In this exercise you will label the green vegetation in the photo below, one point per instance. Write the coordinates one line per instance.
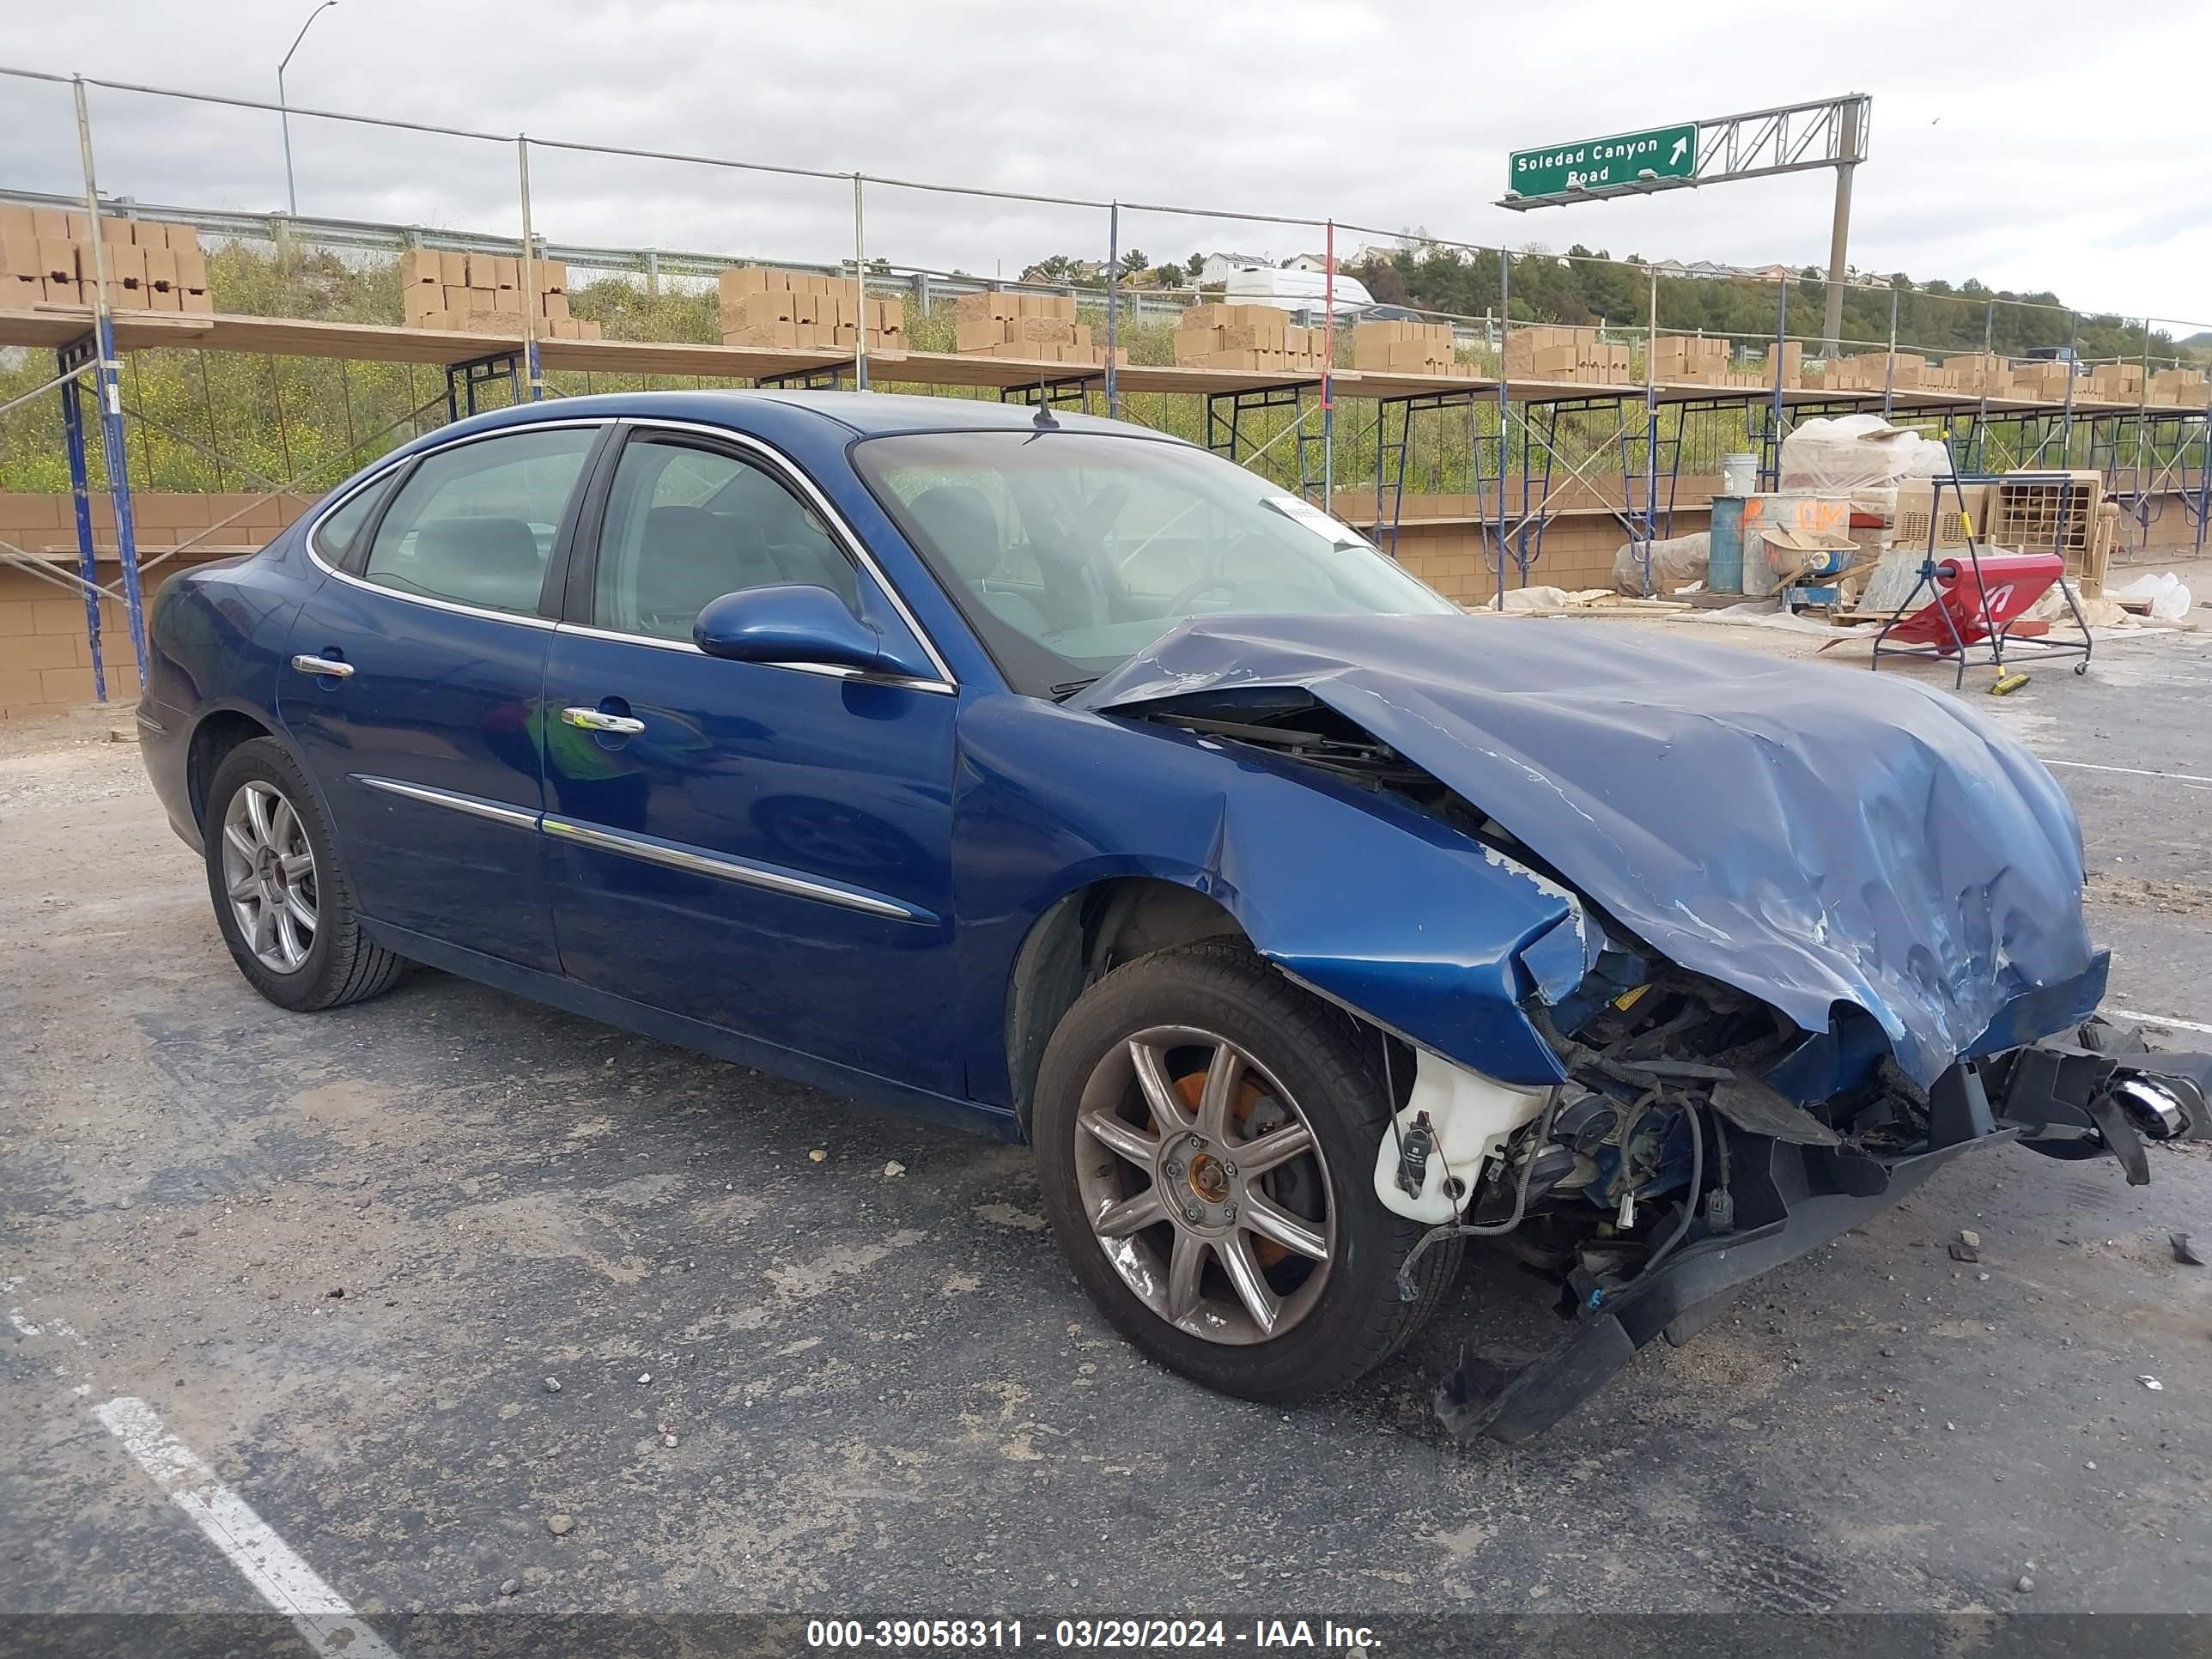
(1581, 287)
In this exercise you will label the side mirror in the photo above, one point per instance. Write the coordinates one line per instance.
(787, 623)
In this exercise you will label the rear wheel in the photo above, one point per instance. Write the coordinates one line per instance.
(281, 895)
(1205, 1134)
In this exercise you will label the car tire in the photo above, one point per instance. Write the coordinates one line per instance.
(1302, 1061)
(280, 891)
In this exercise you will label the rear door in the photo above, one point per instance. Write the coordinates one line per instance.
(414, 691)
(762, 846)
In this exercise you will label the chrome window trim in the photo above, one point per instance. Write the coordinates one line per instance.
(515, 815)
(776, 464)
(835, 671)
(315, 557)
(724, 869)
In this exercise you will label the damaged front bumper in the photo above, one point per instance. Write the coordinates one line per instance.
(2081, 1098)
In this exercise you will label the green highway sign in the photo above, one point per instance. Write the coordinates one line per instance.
(1603, 164)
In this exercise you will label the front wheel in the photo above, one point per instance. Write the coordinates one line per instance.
(1205, 1133)
(281, 896)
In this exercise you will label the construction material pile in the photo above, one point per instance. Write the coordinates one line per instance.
(1703, 360)
(805, 311)
(1038, 328)
(1248, 336)
(47, 258)
(1987, 374)
(483, 293)
(1568, 354)
(1406, 349)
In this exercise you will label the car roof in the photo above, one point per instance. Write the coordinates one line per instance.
(866, 414)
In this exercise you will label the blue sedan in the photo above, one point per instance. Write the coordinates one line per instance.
(1049, 777)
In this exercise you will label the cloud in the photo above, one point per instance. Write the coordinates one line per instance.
(1384, 116)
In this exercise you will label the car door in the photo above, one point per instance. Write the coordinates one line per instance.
(418, 667)
(762, 846)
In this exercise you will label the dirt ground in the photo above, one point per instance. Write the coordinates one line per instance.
(810, 1358)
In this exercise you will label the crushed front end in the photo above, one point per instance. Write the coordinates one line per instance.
(1682, 1159)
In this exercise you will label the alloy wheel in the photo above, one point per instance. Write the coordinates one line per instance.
(269, 876)
(1204, 1186)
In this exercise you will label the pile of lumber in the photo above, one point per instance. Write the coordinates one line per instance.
(805, 311)
(1218, 336)
(46, 258)
(1037, 328)
(1407, 349)
(482, 293)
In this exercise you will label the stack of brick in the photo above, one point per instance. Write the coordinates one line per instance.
(2179, 388)
(1870, 371)
(1980, 373)
(1559, 353)
(482, 293)
(805, 311)
(2040, 381)
(1035, 327)
(46, 258)
(1216, 335)
(1407, 349)
(2116, 383)
(1690, 360)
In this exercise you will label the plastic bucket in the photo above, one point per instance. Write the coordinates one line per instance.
(1739, 475)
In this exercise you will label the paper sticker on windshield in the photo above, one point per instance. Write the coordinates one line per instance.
(1313, 518)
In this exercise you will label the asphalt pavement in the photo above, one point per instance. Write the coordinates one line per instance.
(471, 1304)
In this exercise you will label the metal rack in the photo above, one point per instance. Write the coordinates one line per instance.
(1519, 468)
(1934, 569)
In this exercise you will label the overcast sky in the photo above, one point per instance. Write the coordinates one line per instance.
(2033, 146)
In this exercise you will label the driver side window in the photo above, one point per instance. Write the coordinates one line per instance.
(686, 524)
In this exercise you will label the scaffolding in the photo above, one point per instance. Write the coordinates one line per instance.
(1534, 449)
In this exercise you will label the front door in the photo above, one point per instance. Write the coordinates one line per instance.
(414, 691)
(763, 848)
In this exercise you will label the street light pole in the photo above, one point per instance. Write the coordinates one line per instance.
(284, 115)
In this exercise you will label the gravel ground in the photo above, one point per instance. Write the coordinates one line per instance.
(346, 1258)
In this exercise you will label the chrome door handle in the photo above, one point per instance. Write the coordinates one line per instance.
(594, 720)
(334, 669)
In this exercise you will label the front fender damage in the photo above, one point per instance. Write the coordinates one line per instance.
(1405, 920)
(1679, 1070)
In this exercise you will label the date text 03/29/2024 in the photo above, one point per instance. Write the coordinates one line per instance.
(954, 1635)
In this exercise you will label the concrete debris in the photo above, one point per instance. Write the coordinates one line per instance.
(816, 1156)
(511, 1587)
(668, 1440)
(645, 1377)
(894, 1169)
(2184, 1251)
(2023, 1583)
(1969, 1238)
(552, 1385)
(2152, 1383)
(1964, 1252)
(560, 1525)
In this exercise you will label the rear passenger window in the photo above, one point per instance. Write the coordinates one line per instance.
(336, 535)
(476, 524)
(685, 524)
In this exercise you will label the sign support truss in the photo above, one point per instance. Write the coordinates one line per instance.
(1828, 132)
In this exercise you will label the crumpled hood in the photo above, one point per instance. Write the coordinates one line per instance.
(1810, 835)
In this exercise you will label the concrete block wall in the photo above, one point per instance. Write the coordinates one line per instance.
(45, 658)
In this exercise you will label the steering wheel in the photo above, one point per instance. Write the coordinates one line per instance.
(1203, 585)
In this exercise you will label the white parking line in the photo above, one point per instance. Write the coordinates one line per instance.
(2132, 771)
(284, 1580)
(2161, 1019)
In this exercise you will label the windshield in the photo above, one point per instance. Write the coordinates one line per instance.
(1070, 552)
